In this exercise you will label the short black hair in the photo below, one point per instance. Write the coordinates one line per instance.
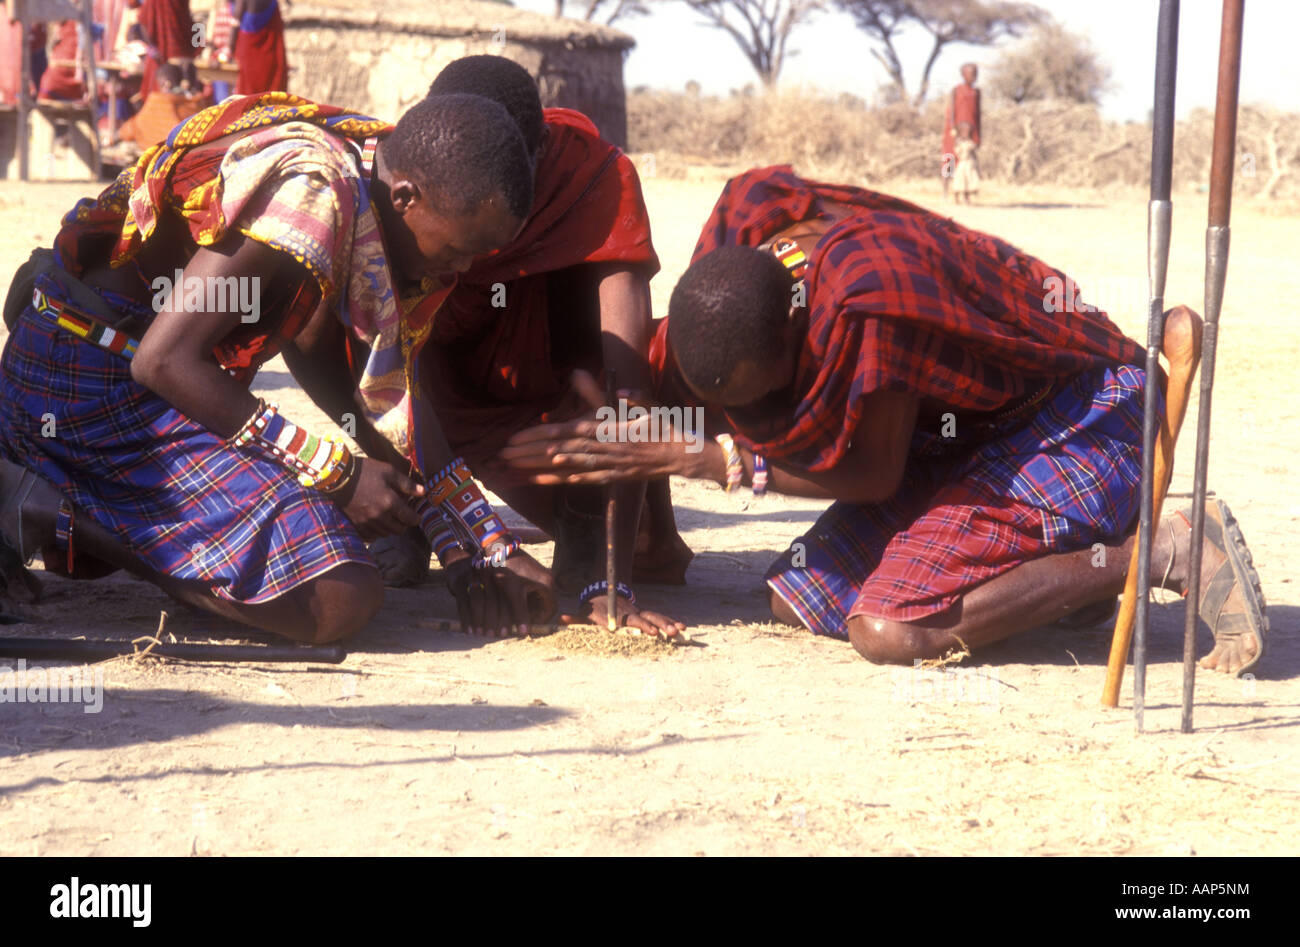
(731, 305)
(503, 81)
(169, 75)
(464, 149)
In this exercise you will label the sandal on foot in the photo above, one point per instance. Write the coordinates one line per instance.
(403, 559)
(16, 580)
(1222, 529)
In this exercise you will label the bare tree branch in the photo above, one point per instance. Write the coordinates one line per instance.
(617, 9)
(975, 22)
(764, 28)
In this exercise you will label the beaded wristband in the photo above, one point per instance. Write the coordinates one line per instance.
(440, 533)
(498, 554)
(458, 496)
(760, 475)
(321, 463)
(735, 466)
(598, 588)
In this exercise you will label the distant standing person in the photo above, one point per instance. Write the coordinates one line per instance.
(963, 106)
(258, 44)
(966, 175)
(221, 33)
(168, 29)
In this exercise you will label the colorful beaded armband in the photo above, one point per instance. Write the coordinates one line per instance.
(735, 466)
(789, 253)
(321, 463)
(599, 588)
(441, 534)
(456, 494)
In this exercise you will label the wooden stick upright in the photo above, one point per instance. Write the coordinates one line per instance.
(1216, 272)
(1133, 604)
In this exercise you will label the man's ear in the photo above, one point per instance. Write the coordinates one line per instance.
(403, 193)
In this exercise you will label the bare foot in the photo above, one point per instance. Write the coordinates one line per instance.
(661, 561)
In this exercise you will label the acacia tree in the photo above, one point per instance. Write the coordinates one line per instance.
(603, 11)
(761, 28)
(1052, 63)
(973, 22)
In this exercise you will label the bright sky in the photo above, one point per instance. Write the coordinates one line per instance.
(674, 47)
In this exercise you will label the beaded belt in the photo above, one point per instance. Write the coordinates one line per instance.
(85, 326)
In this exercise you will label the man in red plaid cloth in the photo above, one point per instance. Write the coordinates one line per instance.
(977, 426)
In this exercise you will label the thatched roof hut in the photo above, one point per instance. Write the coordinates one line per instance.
(381, 58)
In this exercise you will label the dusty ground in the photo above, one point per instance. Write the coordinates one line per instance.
(763, 741)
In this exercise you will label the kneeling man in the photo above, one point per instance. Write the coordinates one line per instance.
(978, 439)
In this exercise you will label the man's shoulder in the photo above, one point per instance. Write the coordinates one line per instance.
(570, 122)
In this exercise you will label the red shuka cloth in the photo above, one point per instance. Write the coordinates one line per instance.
(899, 299)
(171, 31)
(488, 369)
(61, 82)
(180, 174)
(963, 106)
(260, 55)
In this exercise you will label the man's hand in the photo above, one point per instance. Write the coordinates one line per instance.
(379, 502)
(592, 452)
(629, 616)
(589, 450)
(501, 600)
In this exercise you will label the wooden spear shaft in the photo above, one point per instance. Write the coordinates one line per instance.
(1216, 271)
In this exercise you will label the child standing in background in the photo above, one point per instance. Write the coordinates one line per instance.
(966, 176)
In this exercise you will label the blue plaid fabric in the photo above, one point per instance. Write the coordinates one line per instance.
(190, 506)
(1065, 480)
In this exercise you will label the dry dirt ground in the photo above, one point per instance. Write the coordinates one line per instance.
(764, 740)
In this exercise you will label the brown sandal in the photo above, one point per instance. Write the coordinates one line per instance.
(1223, 531)
(17, 583)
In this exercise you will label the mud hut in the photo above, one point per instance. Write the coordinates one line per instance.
(380, 59)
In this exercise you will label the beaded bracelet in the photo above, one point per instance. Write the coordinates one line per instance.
(735, 466)
(598, 588)
(497, 555)
(440, 533)
(456, 494)
(760, 475)
(321, 463)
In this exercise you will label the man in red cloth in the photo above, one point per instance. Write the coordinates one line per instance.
(570, 292)
(168, 30)
(963, 106)
(979, 432)
(257, 42)
(60, 79)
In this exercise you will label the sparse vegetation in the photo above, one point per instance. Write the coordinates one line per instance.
(1037, 142)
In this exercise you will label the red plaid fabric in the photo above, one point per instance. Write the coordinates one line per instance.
(905, 300)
